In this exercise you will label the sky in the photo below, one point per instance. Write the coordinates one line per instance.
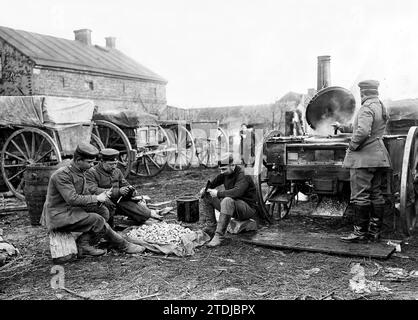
(241, 52)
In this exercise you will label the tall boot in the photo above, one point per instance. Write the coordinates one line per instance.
(220, 230)
(120, 243)
(376, 221)
(85, 249)
(361, 224)
(211, 224)
(208, 212)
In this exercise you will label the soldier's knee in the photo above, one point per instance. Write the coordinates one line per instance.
(227, 201)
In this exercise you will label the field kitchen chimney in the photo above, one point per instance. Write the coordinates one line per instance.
(83, 35)
(324, 72)
(110, 42)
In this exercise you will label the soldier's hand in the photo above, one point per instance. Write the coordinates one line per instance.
(336, 125)
(102, 197)
(124, 191)
(213, 193)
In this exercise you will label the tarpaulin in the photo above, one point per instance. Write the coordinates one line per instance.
(44, 111)
(63, 110)
(21, 111)
(127, 118)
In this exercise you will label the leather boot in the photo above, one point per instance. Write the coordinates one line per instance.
(211, 225)
(220, 230)
(85, 249)
(208, 212)
(120, 243)
(361, 224)
(376, 221)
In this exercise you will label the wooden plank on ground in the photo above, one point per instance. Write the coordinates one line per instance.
(317, 242)
(4, 210)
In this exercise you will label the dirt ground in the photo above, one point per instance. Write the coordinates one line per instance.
(233, 271)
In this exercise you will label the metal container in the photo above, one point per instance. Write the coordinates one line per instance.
(188, 208)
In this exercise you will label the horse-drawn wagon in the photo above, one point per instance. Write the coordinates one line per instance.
(143, 144)
(39, 130)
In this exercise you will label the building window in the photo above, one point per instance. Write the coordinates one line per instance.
(63, 82)
(89, 85)
(152, 92)
(1, 66)
(123, 87)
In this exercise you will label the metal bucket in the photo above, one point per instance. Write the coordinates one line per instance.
(188, 208)
(35, 189)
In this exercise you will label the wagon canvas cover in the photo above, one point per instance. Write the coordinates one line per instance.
(44, 111)
(127, 118)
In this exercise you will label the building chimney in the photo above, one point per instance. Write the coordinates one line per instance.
(83, 35)
(324, 72)
(110, 42)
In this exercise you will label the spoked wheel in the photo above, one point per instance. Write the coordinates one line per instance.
(222, 143)
(152, 153)
(274, 201)
(182, 157)
(24, 147)
(408, 194)
(211, 149)
(95, 141)
(113, 137)
(206, 152)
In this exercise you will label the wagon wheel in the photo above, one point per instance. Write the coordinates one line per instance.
(408, 194)
(182, 158)
(222, 143)
(112, 136)
(152, 158)
(207, 149)
(24, 147)
(271, 198)
(95, 141)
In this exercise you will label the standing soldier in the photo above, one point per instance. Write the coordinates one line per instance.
(368, 161)
(69, 207)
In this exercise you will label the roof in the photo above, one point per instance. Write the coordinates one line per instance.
(49, 51)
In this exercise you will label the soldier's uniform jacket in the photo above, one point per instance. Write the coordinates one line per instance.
(67, 195)
(366, 148)
(237, 186)
(99, 180)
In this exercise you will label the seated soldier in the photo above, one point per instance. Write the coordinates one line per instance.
(106, 176)
(69, 207)
(238, 200)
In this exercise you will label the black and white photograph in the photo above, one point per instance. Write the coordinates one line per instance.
(208, 159)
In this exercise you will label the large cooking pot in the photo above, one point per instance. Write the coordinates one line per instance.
(328, 106)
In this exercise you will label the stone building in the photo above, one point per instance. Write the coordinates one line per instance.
(36, 64)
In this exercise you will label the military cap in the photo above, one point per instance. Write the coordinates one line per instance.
(226, 160)
(86, 151)
(109, 154)
(368, 85)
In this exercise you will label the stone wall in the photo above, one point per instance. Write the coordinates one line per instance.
(107, 92)
(15, 72)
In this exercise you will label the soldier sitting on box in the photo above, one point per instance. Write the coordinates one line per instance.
(69, 207)
(238, 200)
(106, 176)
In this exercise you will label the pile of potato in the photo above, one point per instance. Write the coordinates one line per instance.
(159, 233)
